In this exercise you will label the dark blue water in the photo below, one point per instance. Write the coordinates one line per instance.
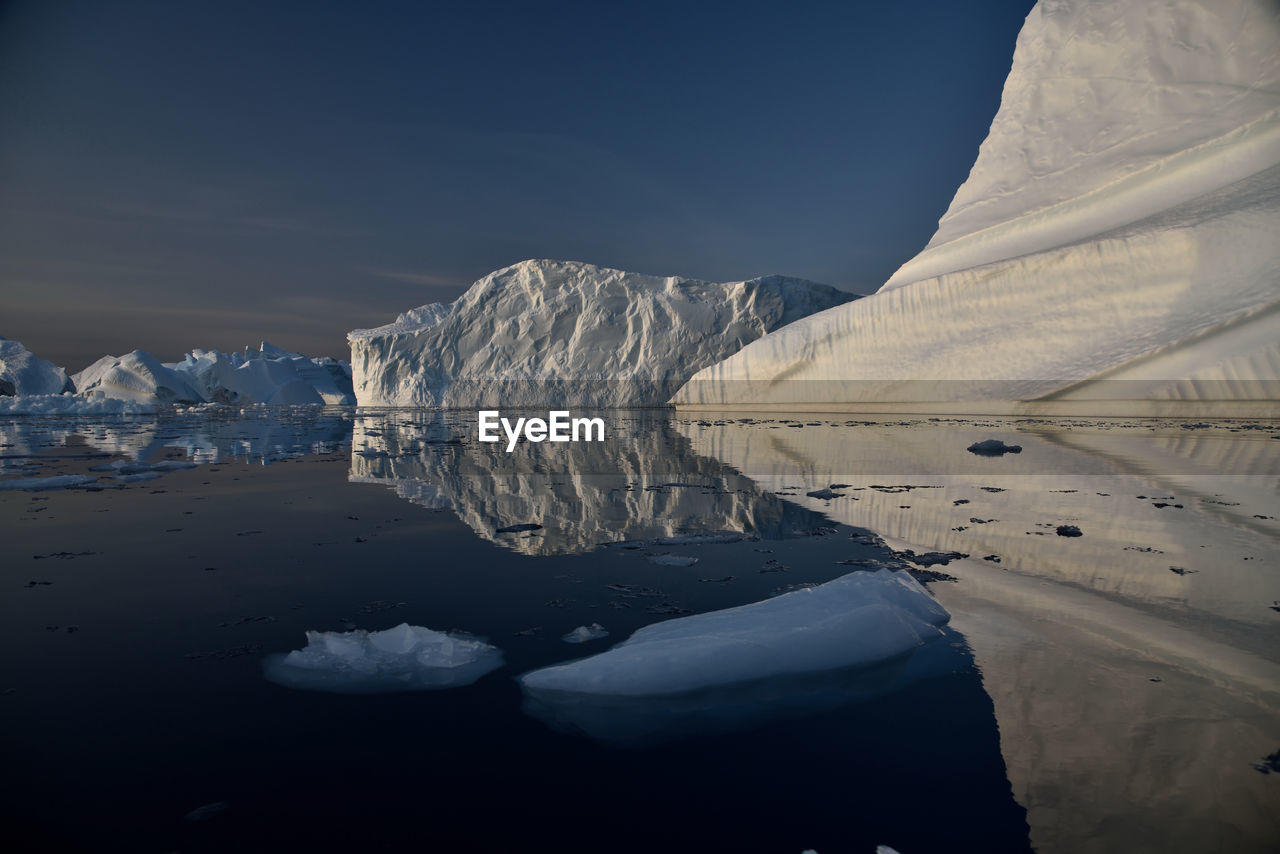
(136, 715)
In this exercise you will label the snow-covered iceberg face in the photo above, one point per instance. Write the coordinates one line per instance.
(404, 658)
(22, 373)
(858, 620)
(138, 377)
(266, 375)
(1114, 242)
(643, 484)
(572, 333)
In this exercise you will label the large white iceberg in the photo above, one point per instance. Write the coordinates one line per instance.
(571, 333)
(22, 373)
(404, 658)
(860, 619)
(1115, 240)
(265, 375)
(138, 377)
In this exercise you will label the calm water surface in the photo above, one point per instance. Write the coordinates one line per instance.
(1111, 691)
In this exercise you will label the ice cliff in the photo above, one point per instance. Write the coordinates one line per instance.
(22, 373)
(572, 333)
(1114, 241)
(267, 375)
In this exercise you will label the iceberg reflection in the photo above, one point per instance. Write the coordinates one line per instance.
(644, 483)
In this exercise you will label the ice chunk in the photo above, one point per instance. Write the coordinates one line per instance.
(39, 484)
(598, 337)
(673, 560)
(22, 373)
(69, 404)
(1114, 242)
(857, 620)
(404, 658)
(582, 634)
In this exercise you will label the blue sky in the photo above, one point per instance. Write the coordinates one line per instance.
(179, 175)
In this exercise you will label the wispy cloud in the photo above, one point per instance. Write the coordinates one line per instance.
(433, 280)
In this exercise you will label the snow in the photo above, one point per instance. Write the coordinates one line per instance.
(593, 336)
(860, 619)
(404, 658)
(1114, 242)
(22, 373)
(268, 375)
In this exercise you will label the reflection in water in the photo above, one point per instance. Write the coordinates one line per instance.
(1133, 669)
(644, 483)
(209, 435)
(742, 706)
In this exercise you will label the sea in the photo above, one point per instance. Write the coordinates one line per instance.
(1108, 680)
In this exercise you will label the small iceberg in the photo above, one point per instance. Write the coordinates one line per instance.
(858, 620)
(582, 634)
(404, 658)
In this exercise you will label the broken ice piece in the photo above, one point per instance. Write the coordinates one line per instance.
(582, 634)
(404, 658)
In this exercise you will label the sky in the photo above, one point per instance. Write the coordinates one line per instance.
(216, 174)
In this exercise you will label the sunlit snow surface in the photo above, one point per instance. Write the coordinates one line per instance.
(572, 333)
(404, 658)
(1113, 243)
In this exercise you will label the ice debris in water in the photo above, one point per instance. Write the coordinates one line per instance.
(861, 619)
(582, 634)
(673, 560)
(404, 658)
(38, 484)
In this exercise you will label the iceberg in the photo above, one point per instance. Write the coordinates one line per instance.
(1114, 243)
(858, 620)
(404, 658)
(571, 332)
(266, 375)
(138, 377)
(22, 373)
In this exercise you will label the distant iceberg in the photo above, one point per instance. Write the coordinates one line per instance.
(22, 373)
(404, 658)
(1114, 243)
(572, 333)
(266, 375)
(858, 620)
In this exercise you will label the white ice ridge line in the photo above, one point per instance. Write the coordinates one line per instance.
(1175, 179)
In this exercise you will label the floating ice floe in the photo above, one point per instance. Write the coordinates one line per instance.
(673, 560)
(576, 333)
(1114, 243)
(403, 658)
(71, 404)
(582, 634)
(860, 619)
(42, 484)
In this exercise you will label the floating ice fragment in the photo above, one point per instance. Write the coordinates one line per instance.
(404, 658)
(673, 560)
(582, 634)
(861, 619)
(39, 484)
